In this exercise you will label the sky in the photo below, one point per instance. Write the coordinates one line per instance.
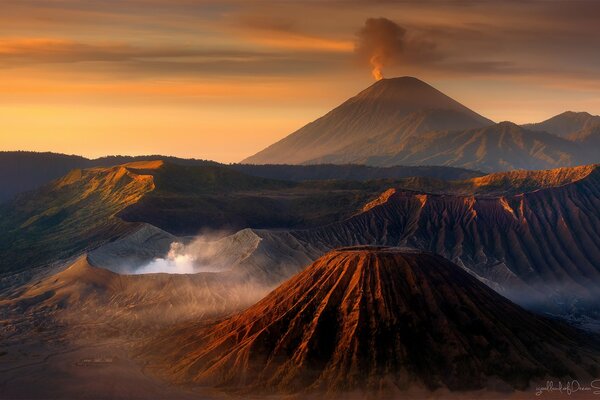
(223, 79)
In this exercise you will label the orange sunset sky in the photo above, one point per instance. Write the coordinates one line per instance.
(222, 80)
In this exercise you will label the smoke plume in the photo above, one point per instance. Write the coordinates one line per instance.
(203, 254)
(382, 43)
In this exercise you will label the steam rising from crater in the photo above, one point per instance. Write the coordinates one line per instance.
(200, 255)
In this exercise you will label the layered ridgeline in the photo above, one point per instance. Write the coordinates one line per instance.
(91, 207)
(376, 321)
(21, 171)
(580, 127)
(532, 235)
(404, 121)
(536, 245)
(571, 125)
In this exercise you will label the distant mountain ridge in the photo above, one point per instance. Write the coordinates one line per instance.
(21, 171)
(570, 125)
(580, 127)
(404, 121)
(500, 147)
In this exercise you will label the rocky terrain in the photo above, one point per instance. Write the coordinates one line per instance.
(88, 294)
(496, 227)
(375, 320)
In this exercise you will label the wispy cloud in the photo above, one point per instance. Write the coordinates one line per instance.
(120, 58)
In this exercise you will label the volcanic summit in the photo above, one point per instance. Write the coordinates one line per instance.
(379, 118)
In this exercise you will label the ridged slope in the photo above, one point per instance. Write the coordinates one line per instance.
(570, 125)
(526, 180)
(549, 237)
(498, 147)
(376, 320)
(71, 214)
(385, 113)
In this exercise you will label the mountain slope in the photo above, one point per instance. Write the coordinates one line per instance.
(376, 320)
(547, 238)
(90, 207)
(501, 147)
(22, 171)
(71, 215)
(532, 235)
(390, 111)
(569, 125)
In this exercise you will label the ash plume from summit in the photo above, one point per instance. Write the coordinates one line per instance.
(382, 42)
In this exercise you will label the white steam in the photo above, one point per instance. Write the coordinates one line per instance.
(177, 261)
(208, 252)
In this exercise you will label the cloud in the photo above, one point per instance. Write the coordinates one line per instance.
(382, 42)
(284, 33)
(49, 50)
(126, 59)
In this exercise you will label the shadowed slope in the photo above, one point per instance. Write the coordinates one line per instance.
(498, 147)
(386, 113)
(380, 320)
(570, 125)
(21, 171)
(549, 237)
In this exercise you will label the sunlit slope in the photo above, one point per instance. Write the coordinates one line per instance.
(380, 321)
(89, 207)
(70, 215)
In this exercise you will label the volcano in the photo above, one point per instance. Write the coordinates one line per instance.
(405, 121)
(380, 116)
(375, 320)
